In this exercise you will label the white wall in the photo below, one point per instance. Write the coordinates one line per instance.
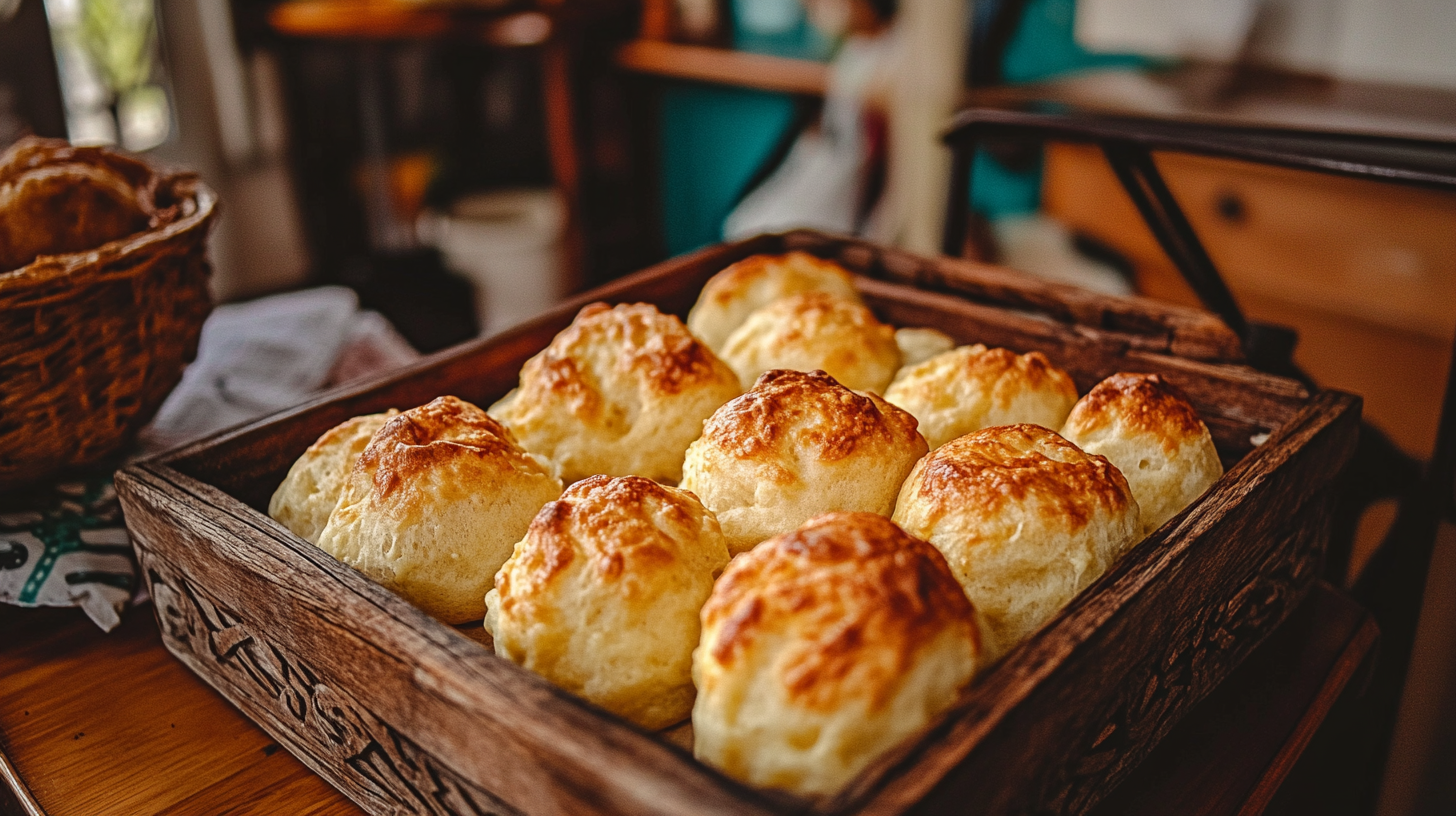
(258, 245)
(1406, 41)
(1412, 41)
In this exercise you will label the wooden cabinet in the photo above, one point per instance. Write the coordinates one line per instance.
(1366, 272)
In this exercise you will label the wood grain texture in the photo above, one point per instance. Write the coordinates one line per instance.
(15, 796)
(1237, 403)
(109, 724)
(249, 461)
(408, 716)
(1374, 252)
(1235, 749)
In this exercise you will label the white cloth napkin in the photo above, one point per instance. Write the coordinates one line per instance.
(268, 354)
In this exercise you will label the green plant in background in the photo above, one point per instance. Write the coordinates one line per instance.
(107, 52)
(119, 35)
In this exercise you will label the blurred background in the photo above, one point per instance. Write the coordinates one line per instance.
(461, 165)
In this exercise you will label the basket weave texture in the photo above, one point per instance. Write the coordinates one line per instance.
(92, 340)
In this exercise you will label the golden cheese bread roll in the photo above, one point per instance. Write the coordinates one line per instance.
(974, 387)
(919, 344)
(795, 446)
(434, 505)
(732, 295)
(307, 496)
(1025, 519)
(1146, 427)
(824, 647)
(602, 595)
(622, 391)
(815, 331)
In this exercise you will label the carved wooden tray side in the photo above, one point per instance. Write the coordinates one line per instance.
(1069, 714)
(406, 715)
(402, 713)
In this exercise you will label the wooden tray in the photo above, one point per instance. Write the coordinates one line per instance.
(407, 715)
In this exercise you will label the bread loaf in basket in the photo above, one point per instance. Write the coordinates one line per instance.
(103, 291)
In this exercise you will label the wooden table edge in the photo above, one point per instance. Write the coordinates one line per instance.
(15, 791)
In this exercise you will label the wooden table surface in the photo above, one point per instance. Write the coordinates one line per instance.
(111, 725)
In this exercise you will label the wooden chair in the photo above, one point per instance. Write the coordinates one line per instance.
(556, 36)
(1392, 582)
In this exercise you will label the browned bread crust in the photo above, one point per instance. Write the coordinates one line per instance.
(825, 646)
(1142, 403)
(622, 390)
(602, 595)
(856, 596)
(1012, 464)
(974, 387)
(797, 445)
(434, 505)
(730, 296)
(816, 330)
(1025, 519)
(306, 498)
(1146, 427)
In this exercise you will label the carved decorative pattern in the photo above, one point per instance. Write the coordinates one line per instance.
(360, 753)
(1200, 652)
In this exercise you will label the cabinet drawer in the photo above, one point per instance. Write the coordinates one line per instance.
(1365, 272)
(1353, 247)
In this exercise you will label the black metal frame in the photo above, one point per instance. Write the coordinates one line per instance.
(1392, 583)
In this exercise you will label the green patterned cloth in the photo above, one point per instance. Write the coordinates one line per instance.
(64, 544)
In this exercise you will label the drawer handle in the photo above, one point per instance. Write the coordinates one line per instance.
(1231, 208)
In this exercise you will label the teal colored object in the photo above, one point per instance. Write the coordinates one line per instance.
(997, 192)
(713, 141)
(1044, 46)
(778, 27)
(715, 138)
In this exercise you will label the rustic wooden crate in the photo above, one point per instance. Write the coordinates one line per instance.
(407, 715)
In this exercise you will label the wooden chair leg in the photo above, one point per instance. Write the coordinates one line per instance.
(561, 137)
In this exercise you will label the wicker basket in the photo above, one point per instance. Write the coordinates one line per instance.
(92, 341)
